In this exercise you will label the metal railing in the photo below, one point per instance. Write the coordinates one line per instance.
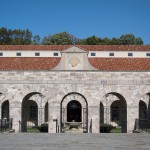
(6, 124)
(142, 124)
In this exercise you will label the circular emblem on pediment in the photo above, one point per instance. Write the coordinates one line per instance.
(74, 61)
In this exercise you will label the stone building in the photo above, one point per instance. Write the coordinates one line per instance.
(74, 86)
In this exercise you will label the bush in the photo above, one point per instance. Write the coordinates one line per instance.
(43, 127)
(105, 128)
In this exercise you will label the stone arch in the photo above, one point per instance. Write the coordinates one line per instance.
(142, 94)
(68, 99)
(115, 100)
(31, 111)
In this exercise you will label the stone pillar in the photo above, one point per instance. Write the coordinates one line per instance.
(93, 113)
(15, 113)
(107, 114)
(54, 113)
(132, 114)
(41, 114)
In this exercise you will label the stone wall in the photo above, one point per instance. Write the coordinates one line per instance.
(54, 85)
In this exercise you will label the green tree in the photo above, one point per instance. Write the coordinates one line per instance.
(62, 38)
(27, 36)
(106, 41)
(138, 41)
(127, 39)
(15, 37)
(93, 40)
(115, 41)
(36, 40)
(4, 36)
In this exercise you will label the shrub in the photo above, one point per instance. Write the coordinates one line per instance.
(43, 127)
(105, 128)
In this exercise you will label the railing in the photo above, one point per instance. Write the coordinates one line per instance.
(6, 124)
(142, 124)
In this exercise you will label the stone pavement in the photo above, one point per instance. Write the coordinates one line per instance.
(40, 141)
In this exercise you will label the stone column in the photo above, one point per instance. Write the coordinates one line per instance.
(40, 116)
(107, 114)
(15, 113)
(93, 113)
(54, 113)
(132, 114)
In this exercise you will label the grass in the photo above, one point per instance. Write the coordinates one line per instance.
(116, 130)
(35, 130)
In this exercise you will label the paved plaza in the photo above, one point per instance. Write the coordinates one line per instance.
(27, 141)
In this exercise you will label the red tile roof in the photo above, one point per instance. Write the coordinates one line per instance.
(84, 47)
(109, 64)
(35, 47)
(121, 64)
(11, 63)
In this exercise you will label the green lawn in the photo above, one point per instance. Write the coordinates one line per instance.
(35, 130)
(116, 130)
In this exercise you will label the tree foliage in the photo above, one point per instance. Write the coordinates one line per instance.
(15, 37)
(63, 38)
(129, 39)
(36, 40)
(24, 37)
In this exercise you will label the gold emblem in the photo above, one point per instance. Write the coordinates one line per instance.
(74, 62)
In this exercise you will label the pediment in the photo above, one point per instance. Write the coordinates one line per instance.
(74, 49)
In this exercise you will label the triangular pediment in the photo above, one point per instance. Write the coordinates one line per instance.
(74, 49)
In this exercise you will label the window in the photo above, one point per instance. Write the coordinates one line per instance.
(130, 54)
(93, 54)
(55, 54)
(1, 54)
(37, 54)
(18, 54)
(111, 54)
(148, 54)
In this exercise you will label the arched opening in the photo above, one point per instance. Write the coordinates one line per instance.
(101, 112)
(32, 112)
(74, 111)
(5, 109)
(142, 110)
(46, 112)
(115, 112)
(119, 113)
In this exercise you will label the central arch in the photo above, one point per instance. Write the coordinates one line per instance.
(74, 113)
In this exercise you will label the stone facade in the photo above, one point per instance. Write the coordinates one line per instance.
(54, 85)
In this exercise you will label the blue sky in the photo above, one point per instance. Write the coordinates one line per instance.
(82, 18)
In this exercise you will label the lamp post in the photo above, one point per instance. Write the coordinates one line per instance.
(41, 95)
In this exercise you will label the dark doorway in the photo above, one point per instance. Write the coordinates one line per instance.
(5, 109)
(74, 111)
(142, 110)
